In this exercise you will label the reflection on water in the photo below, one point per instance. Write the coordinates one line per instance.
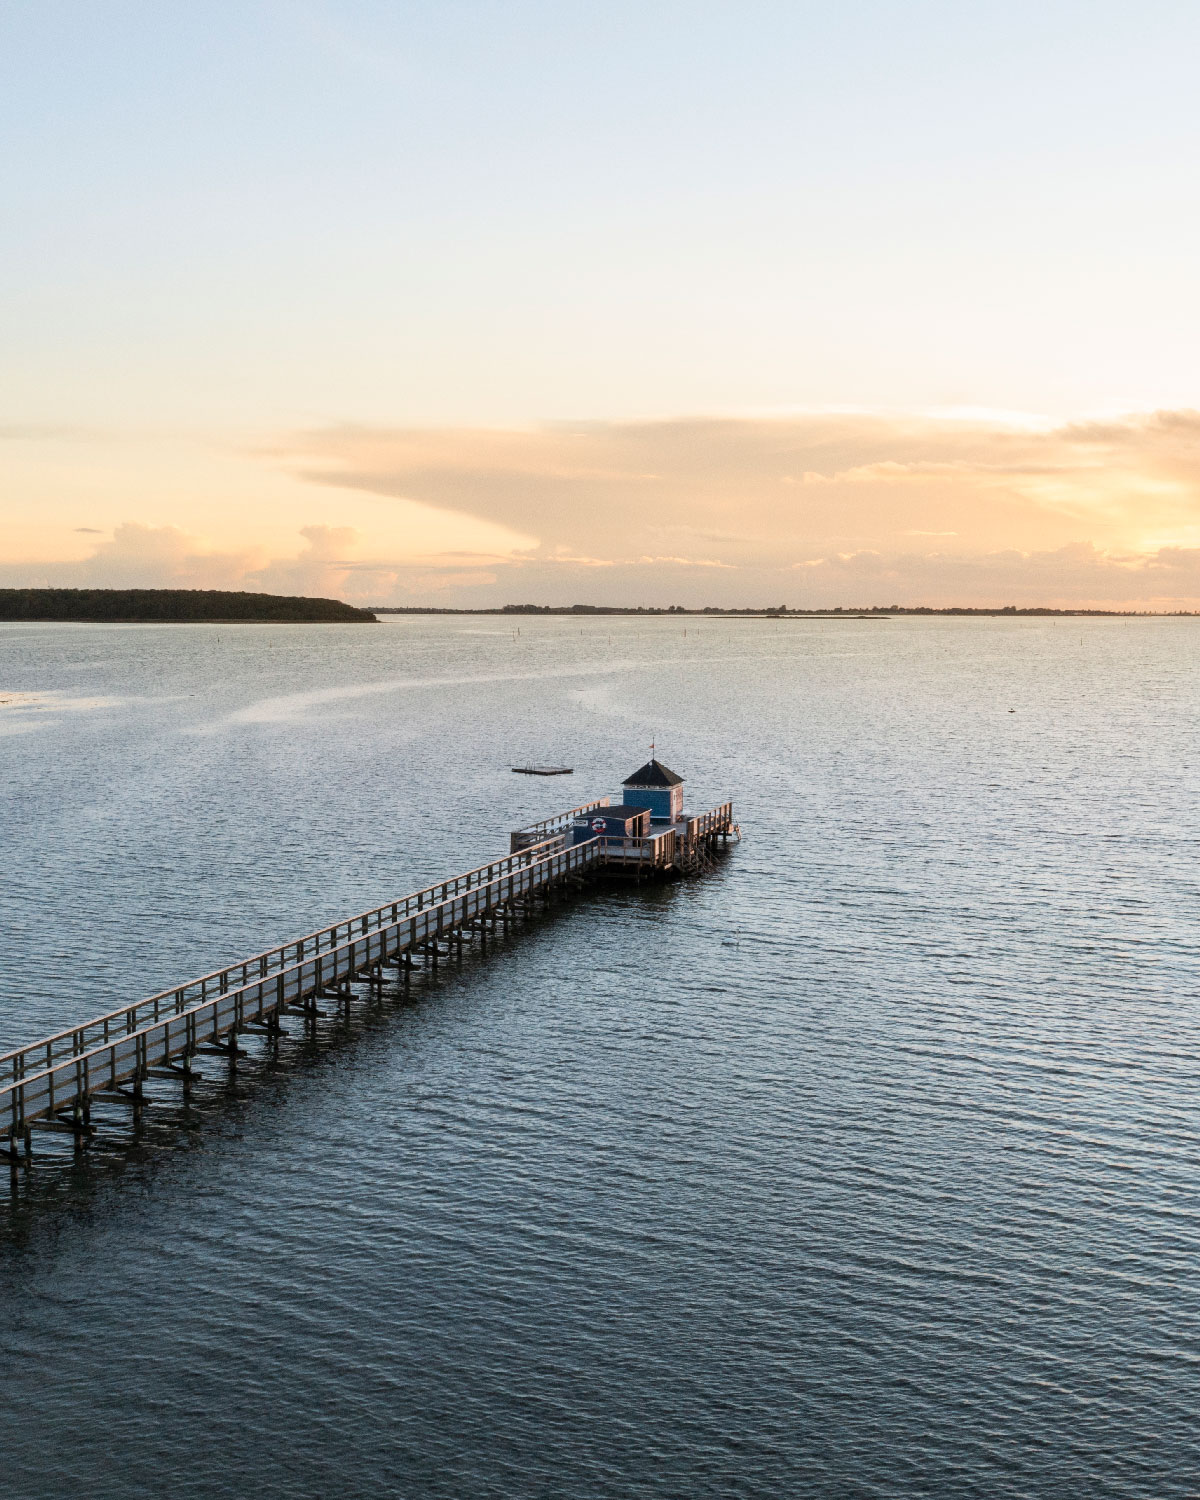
(866, 1166)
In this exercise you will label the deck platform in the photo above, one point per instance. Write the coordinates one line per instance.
(50, 1083)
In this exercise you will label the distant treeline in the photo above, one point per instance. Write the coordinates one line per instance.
(856, 612)
(174, 606)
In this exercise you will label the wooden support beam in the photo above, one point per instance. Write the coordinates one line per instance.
(249, 998)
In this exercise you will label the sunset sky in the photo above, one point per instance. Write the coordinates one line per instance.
(468, 303)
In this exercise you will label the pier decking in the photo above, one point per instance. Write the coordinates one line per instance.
(52, 1082)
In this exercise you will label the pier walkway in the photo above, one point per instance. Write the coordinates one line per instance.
(51, 1083)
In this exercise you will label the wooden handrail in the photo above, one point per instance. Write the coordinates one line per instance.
(13, 1092)
(124, 1019)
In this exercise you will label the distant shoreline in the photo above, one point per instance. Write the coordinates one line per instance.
(225, 607)
(173, 607)
(866, 612)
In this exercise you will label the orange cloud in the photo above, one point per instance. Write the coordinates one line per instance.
(815, 509)
(754, 497)
(139, 556)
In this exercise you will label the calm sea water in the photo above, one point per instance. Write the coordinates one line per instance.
(867, 1166)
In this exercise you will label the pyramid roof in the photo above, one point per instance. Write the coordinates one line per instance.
(653, 773)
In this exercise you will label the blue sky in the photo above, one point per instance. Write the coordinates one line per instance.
(232, 222)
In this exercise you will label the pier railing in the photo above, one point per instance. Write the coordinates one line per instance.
(50, 1090)
(658, 850)
(561, 823)
(128, 1019)
(58, 1075)
(676, 846)
(716, 820)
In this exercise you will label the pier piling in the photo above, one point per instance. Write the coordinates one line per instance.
(50, 1084)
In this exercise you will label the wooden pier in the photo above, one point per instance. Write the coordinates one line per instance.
(51, 1083)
